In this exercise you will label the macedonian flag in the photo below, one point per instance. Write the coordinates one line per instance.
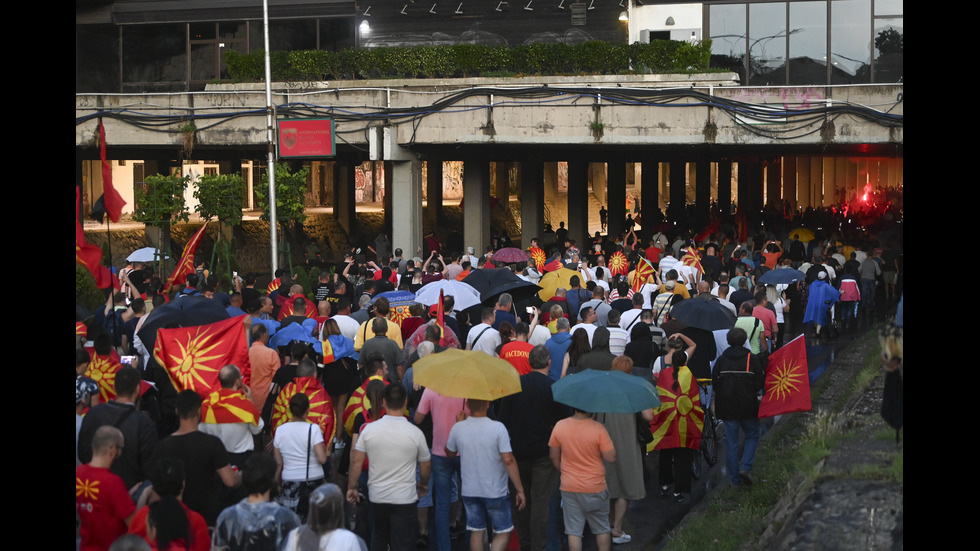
(289, 306)
(185, 266)
(321, 408)
(357, 403)
(640, 275)
(228, 406)
(539, 258)
(618, 264)
(273, 285)
(193, 355)
(102, 370)
(787, 381)
(679, 420)
(692, 259)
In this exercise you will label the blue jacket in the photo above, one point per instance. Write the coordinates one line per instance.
(558, 345)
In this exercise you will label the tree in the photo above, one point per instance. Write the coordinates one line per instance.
(290, 194)
(159, 203)
(221, 196)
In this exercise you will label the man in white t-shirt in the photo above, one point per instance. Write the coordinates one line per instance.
(393, 446)
(483, 336)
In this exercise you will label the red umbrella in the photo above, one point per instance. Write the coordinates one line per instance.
(510, 255)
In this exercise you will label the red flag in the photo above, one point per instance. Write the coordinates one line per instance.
(640, 275)
(539, 258)
(710, 229)
(321, 408)
(358, 402)
(192, 356)
(273, 285)
(692, 259)
(618, 264)
(680, 419)
(228, 406)
(741, 226)
(787, 381)
(90, 255)
(113, 201)
(290, 304)
(186, 264)
(102, 370)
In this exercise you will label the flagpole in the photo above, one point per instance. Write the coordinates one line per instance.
(270, 137)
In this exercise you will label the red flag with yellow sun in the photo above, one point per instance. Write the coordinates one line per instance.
(618, 264)
(102, 370)
(358, 402)
(185, 266)
(538, 256)
(787, 381)
(321, 408)
(640, 275)
(192, 356)
(679, 420)
(228, 406)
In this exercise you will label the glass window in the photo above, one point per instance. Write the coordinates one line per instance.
(767, 43)
(808, 43)
(727, 28)
(850, 41)
(154, 54)
(889, 7)
(889, 49)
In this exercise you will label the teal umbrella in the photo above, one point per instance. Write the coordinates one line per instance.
(606, 392)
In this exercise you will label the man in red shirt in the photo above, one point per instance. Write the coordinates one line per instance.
(516, 351)
(103, 505)
(766, 316)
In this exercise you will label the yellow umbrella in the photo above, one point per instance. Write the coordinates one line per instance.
(805, 235)
(467, 374)
(554, 280)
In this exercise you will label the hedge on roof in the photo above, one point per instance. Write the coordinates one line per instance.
(469, 60)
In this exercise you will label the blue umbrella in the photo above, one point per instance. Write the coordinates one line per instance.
(397, 298)
(606, 392)
(295, 332)
(782, 275)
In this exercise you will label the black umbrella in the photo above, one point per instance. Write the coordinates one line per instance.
(782, 275)
(181, 312)
(492, 283)
(705, 314)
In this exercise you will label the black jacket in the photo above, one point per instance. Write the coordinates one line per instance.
(737, 378)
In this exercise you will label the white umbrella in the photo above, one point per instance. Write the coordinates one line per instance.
(146, 254)
(463, 294)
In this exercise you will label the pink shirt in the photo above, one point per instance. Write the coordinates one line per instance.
(767, 318)
(443, 410)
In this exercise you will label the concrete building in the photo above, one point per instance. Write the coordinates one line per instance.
(784, 125)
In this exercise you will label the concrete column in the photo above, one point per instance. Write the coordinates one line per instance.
(433, 183)
(343, 193)
(789, 180)
(555, 202)
(578, 202)
(532, 201)
(649, 192)
(816, 181)
(678, 192)
(773, 181)
(406, 218)
(802, 181)
(476, 204)
(702, 192)
(501, 181)
(829, 191)
(616, 195)
(725, 185)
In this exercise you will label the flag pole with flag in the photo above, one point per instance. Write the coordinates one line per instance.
(90, 255)
(787, 381)
(186, 264)
(441, 319)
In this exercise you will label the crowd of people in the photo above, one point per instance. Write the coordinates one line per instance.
(325, 441)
